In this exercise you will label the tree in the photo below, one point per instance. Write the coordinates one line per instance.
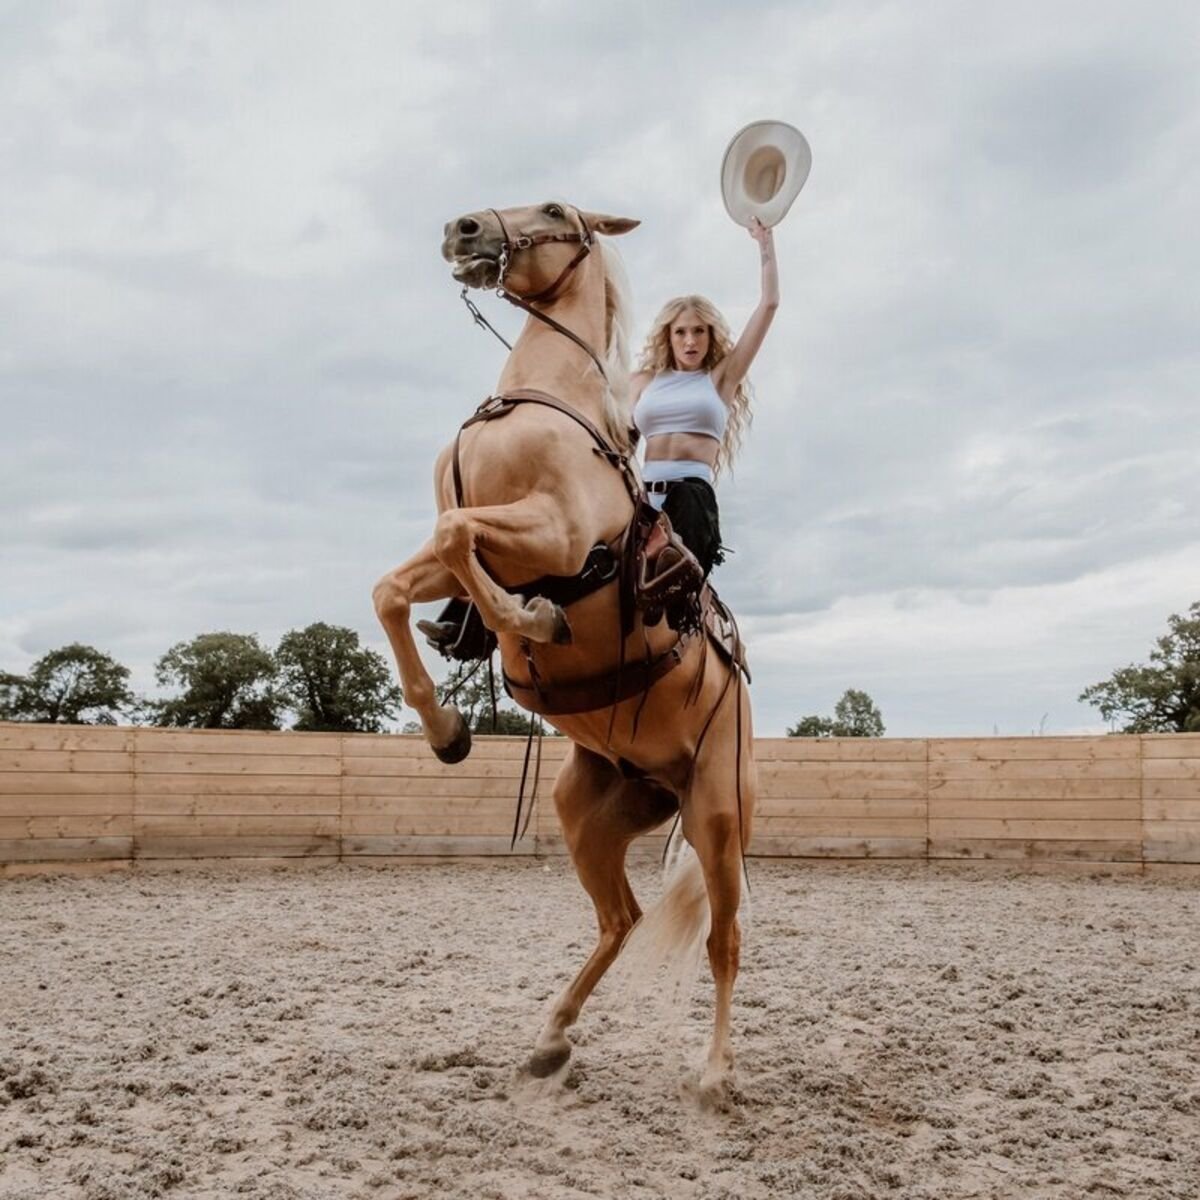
(854, 715)
(473, 699)
(333, 683)
(227, 681)
(75, 684)
(1164, 696)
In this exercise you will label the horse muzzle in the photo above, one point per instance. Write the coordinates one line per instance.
(473, 251)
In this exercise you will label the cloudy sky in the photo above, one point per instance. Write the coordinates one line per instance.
(229, 348)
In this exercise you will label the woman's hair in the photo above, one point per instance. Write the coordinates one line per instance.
(657, 357)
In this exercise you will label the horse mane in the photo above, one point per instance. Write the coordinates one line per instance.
(618, 307)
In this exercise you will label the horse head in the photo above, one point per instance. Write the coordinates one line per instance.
(528, 251)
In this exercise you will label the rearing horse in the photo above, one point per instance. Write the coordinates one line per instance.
(533, 495)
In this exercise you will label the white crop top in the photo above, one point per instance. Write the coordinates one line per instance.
(681, 402)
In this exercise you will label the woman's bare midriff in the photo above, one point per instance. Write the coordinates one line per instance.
(689, 447)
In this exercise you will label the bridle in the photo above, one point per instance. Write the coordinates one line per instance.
(510, 247)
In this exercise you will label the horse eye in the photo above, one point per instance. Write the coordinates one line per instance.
(552, 210)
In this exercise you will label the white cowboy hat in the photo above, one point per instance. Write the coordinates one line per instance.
(764, 168)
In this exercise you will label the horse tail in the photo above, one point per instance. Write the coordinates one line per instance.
(661, 956)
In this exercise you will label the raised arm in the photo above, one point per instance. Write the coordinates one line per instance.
(736, 364)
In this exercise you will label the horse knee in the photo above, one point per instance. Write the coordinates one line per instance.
(392, 605)
(451, 536)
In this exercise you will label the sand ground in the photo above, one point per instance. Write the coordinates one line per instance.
(349, 1032)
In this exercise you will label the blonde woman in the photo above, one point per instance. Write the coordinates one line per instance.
(692, 403)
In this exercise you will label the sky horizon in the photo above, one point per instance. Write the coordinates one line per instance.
(230, 349)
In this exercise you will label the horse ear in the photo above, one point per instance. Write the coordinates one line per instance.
(610, 225)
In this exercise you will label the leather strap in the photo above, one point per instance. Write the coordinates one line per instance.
(502, 404)
(596, 692)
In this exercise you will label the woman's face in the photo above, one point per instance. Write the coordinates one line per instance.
(689, 340)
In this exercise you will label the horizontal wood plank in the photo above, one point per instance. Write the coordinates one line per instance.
(1035, 789)
(836, 847)
(75, 762)
(55, 804)
(215, 763)
(401, 845)
(150, 784)
(30, 736)
(1170, 745)
(1037, 830)
(67, 826)
(66, 783)
(1051, 809)
(1030, 768)
(246, 804)
(355, 790)
(849, 806)
(1173, 768)
(840, 750)
(1034, 849)
(829, 826)
(1156, 809)
(1057, 749)
(261, 743)
(223, 825)
(251, 846)
(64, 849)
(1170, 789)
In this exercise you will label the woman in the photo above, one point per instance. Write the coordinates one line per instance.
(692, 403)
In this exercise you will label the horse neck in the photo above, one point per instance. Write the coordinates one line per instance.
(544, 359)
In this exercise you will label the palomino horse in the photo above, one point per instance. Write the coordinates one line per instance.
(535, 494)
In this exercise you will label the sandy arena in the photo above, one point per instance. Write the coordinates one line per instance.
(348, 1032)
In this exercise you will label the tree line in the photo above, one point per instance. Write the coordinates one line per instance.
(317, 678)
(322, 678)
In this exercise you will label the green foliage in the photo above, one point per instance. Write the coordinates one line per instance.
(1163, 696)
(227, 682)
(75, 684)
(854, 715)
(333, 683)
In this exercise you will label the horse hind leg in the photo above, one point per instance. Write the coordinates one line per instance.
(600, 813)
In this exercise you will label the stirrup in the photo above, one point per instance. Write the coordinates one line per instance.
(459, 632)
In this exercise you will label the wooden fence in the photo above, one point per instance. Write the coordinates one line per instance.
(87, 794)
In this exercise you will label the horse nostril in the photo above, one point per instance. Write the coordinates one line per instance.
(468, 227)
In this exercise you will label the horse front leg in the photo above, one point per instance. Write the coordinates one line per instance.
(421, 579)
(531, 531)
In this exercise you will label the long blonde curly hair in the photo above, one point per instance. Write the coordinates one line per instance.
(657, 357)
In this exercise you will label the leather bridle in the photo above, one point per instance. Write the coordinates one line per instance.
(510, 247)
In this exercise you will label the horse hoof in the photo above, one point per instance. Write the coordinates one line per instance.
(714, 1093)
(545, 1063)
(459, 746)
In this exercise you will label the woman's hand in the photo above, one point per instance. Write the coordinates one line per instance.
(762, 234)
